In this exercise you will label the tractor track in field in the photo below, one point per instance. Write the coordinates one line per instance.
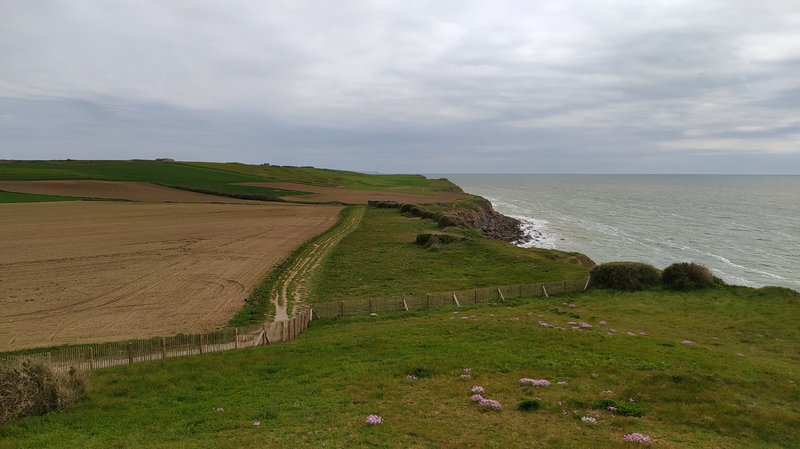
(291, 290)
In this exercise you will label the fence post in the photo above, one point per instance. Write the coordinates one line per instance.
(587, 283)
(200, 343)
(476, 296)
(91, 358)
(235, 338)
(500, 292)
(370, 305)
(264, 329)
(130, 352)
(405, 305)
(283, 330)
(544, 290)
(455, 298)
(565, 285)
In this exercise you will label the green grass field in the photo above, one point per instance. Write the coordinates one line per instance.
(380, 259)
(216, 177)
(735, 386)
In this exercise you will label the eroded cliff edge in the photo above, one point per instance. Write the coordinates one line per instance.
(492, 224)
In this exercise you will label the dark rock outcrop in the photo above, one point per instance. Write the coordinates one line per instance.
(492, 224)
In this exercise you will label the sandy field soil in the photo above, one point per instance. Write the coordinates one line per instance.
(134, 191)
(349, 196)
(90, 272)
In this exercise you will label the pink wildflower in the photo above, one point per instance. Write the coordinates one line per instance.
(257, 423)
(374, 419)
(562, 382)
(611, 408)
(541, 316)
(575, 327)
(637, 438)
(631, 400)
(586, 325)
(572, 322)
(411, 377)
(465, 376)
(687, 342)
(589, 419)
(476, 397)
(535, 382)
(466, 370)
(642, 333)
(464, 317)
(491, 403)
(630, 333)
(572, 305)
(477, 389)
(613, 330)
(595, 375)
(373, 314)
(602, 323)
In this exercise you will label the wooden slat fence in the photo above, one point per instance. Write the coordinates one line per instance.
(89, 357)
(453, 298)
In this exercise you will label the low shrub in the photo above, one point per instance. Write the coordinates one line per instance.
(435, 239)
(416, 211)
(447, 221)
(427, 214)
(620, 408)
(627, 276)
(31, 388)
(687, 276)
(406, 207)
(530, 404)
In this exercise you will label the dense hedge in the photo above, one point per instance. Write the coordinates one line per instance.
(687, 276)
(628, 276)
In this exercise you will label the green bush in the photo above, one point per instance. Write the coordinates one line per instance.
(427, 214)
(435, 239)
(416, 211)
(627, 276)
(448, 220)
(31, 388)
(406, 207)
(620, 408)
(687, 276)
(530, 404)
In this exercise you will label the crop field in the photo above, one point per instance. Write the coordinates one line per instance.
(85, 272)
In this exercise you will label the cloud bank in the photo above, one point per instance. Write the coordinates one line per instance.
(447, 86)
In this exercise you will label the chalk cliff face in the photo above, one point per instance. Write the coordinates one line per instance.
(492, 224)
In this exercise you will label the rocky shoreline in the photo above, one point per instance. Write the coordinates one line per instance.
(493, 224)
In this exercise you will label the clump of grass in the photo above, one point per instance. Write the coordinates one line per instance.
(626, 276)
(620, 408)
(687, 276)
(32, 388)
(436, 239)
(529, 404)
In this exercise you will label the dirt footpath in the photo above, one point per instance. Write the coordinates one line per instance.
(86, 272)
(349, 196)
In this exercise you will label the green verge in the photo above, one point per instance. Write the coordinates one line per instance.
(258, 306)
(381, 258)
(734, 387)
(16, 197)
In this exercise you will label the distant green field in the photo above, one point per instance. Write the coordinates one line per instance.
(380, 258)
(734, 386)
(217, 177)
(14, 197)
(339, 178)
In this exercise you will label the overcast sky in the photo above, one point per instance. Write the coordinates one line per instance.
(667, 86)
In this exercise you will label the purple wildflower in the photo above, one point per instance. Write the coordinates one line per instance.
(466, 370)
(687, 342)
(374, 419)
(465, 376)
(476, 397)
(630, 333)
(562, 382)
(373, 314)
(411, 377)
(642, 333)
(572, 305)
(257, 423)
(464, 317)
(477, 389)
(586, 325)
(589, 419)
(637, 438)
(611, 408)
(535, 382)
(491, 403)
(602, 323)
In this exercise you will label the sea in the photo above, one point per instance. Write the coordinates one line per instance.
(744, 228)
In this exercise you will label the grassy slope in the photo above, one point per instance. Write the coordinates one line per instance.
(380, 258)
(319, 389)
(338, 178)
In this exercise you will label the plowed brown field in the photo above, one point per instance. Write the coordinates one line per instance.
(85, 272)
(350, 196)
(134, 191)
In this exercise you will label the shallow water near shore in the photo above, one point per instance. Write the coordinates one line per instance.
(744, 228)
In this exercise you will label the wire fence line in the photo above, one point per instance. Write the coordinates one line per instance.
(91, 357)
(453, 298)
